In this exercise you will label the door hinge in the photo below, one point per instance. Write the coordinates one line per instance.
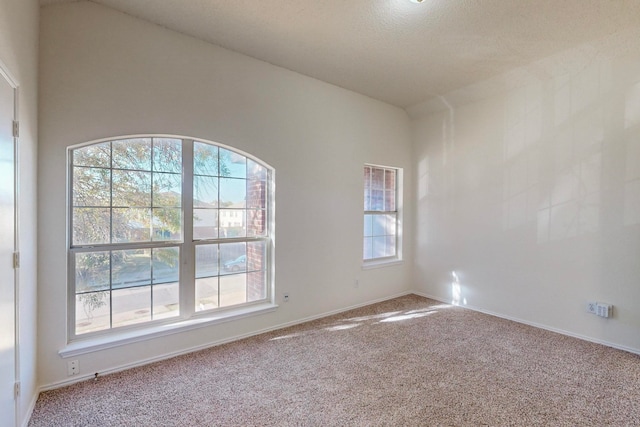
(16, 389)
(16, 129)
(16, 260)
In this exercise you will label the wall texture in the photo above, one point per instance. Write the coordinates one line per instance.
(107, 74)
(528, 188)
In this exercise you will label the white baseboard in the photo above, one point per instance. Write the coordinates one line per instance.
(535, 325)
(165, 356)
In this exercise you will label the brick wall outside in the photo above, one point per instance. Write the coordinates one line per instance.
(256, 251)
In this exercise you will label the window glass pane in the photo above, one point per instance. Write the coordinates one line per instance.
(206, 261)
(379, 247)
(131, 188)
(233, 192)
(167, 155)
(232, 223)
(206, 277)
(377, 179)
(205, 159)
(97, 155)
(167, 191)
(256, 256)
(167, 224)
(390, 200)
(368, 248)
(390, 228)
(379, 223)
(91, 226)
(256, 196)
(233, 289)
(368, 225)
(91, 187)
(205, 192)
(205, 224)
(256, 222)
(92, 271)
(130, 268)
(166, 263)
(232, 165)
(131, 225)
(166, 300)
(256, 286)
(256, 171)
(377, 200)
(207, 293)
(389, 179)
(93, 312)
(390, 246)
(233, 257)
(134, 154)
(131, 306)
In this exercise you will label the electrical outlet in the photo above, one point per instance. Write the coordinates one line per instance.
(285, 297)
(604, 309)
(601, 309)
(356, 283)
(73, 367)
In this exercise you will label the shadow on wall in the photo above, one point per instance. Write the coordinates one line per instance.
(563, 140)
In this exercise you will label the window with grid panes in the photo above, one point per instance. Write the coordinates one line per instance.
(380, 213)
(162, 229)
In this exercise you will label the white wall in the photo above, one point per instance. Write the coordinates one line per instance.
(19, 52)
(106, 74)
(528, 187)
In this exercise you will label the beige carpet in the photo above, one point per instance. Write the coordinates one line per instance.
(406, 362)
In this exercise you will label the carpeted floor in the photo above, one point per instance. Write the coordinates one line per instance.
(406, 362)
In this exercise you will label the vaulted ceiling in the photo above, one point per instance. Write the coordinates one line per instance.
(396, 51)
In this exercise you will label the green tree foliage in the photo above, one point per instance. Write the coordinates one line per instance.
(127, 191)
(131, 191)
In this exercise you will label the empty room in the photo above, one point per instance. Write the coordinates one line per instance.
(331, 213)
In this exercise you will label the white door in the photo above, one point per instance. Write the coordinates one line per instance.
(7, 248)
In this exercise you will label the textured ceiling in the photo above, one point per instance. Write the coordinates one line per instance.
(392, 50)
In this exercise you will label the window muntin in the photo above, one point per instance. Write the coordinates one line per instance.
(121, 195)
(380, 213)
(128, 237)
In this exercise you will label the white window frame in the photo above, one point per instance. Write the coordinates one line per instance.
(188, 318)
(397, 257)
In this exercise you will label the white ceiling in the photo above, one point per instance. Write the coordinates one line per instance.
(392, 50)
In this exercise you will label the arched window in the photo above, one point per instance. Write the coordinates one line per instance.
(163, 228)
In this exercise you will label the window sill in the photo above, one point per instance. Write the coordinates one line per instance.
(368, 265)
(115, 340)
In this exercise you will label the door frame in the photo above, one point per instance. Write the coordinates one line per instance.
(4, 73)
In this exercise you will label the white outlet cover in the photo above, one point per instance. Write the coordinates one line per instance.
(73, 367)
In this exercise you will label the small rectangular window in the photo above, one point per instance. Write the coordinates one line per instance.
(380, 213)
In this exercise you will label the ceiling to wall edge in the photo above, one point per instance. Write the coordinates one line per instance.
(513, 78)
